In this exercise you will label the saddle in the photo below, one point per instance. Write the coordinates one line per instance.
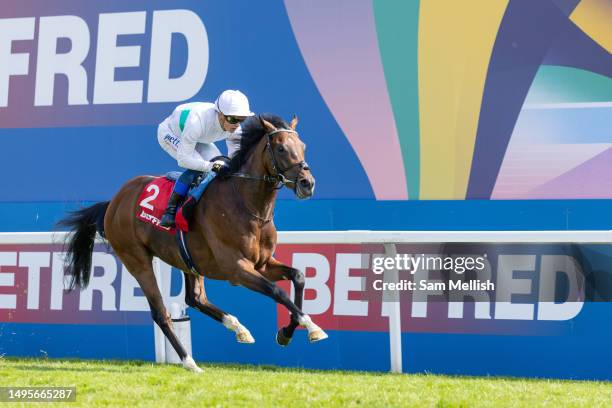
(155, 195)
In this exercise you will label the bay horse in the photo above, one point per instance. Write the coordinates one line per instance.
(232, 234)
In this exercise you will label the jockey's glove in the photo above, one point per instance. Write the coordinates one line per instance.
(218, 165)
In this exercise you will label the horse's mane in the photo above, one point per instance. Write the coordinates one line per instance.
(252, 132)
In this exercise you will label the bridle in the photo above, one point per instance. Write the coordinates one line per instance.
(278, 180)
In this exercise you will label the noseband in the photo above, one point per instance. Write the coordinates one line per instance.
(278, 180)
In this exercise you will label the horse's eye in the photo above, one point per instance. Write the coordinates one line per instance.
(281, 149)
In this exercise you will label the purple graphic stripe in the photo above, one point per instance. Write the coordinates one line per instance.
(589, 180)
(566, 6)
(526, 167)
(526, 33)
(574, 48)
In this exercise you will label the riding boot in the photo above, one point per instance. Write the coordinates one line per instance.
(167, 220)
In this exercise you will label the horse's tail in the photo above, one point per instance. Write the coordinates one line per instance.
(83, 225)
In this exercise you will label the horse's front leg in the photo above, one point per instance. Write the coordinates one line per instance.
(195, 296)
(275, 271)
(246, 275)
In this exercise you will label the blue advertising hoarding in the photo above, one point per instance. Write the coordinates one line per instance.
(402, 111)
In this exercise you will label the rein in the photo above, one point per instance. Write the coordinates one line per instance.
(278, 180)
(262, 220)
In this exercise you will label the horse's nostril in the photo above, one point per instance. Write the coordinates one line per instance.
(305, 183)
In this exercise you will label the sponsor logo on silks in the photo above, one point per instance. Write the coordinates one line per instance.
(152, 219)
(172, 140)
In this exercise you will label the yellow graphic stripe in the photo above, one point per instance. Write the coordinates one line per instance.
(594, 17)
(455, 43)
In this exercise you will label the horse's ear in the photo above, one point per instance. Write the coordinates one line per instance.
(267, 125)
(294, 122)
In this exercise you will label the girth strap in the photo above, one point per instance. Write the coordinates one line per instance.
(182, 244)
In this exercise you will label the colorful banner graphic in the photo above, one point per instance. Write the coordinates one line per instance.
(415, 100)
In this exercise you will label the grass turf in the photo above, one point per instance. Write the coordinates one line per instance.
(121, 383)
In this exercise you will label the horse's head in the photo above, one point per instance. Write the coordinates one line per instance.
(286, 158)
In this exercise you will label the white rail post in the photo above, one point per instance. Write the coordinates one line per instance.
(159, 338)
(392, 301)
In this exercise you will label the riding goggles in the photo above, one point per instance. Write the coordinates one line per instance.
(233, 120)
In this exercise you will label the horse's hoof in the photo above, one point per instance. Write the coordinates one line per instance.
(317, 335)
(197, 370)
(281, 339)
(245, 337)
(190, 365)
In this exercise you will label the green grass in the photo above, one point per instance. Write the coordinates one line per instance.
(121, 383)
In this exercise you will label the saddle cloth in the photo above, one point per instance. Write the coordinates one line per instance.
(153, 201)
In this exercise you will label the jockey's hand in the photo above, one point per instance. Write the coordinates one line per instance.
(218, 165)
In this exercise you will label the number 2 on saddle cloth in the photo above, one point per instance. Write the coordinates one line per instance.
(154, 198)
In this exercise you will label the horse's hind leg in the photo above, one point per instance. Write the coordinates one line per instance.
(248, 277)
(139, 263)
(195, 296)
(276, 271)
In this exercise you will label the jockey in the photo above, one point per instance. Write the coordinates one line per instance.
(189, 133)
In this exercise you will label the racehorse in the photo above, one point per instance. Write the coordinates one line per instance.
(232, 234)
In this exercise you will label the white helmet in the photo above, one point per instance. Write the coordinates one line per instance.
(233, 103)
